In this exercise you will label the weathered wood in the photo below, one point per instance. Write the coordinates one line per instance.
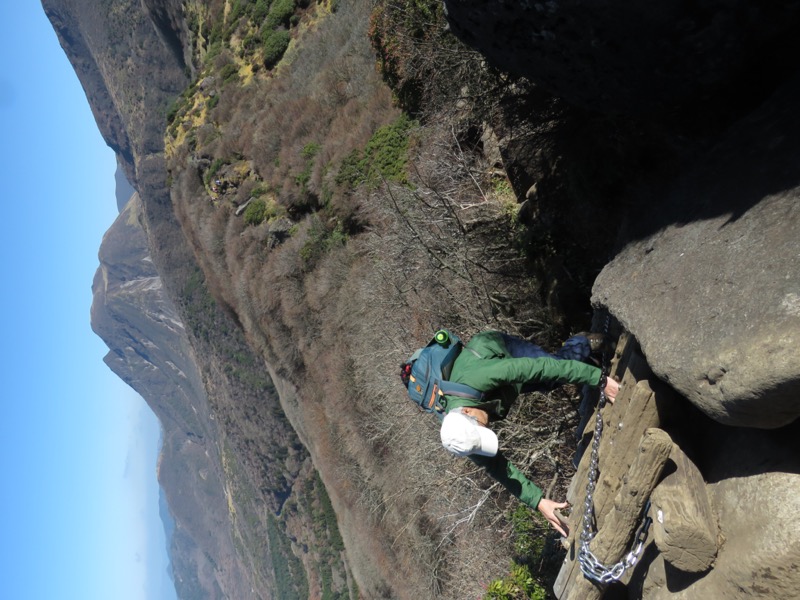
(612, 540)
(623, 425)
(684, 526)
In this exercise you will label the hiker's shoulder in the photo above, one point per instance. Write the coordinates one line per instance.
(488, 338)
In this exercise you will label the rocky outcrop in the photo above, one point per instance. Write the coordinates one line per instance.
(624, 57)
(753, 483)
(129, 69)
(723, 514)
(711, 285)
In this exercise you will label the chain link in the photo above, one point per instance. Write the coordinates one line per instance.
(590, 565)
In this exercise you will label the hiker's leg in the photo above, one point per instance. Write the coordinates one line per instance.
(575, 348)
(519, 348)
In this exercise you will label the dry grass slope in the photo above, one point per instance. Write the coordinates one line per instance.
(337, 284)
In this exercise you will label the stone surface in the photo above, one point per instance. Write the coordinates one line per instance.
(710, 284)
(609, 545)
(753, 488)
(627, 56)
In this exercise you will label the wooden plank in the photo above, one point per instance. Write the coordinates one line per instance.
(613, 539)
(624, 422)
(684, 526)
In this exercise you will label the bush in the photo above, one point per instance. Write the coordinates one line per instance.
(319, 242)
(173, 110)
(308, 152)
(529, 531)
(256, 212)
(260, 10)
(384, 157)
(229, 72)
(279, 14)
(214, 169)
(260, 210)
(517, 585)
(275, 44)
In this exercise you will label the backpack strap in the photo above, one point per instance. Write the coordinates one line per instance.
(451, 388)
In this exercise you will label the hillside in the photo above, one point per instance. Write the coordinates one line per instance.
(313, 218)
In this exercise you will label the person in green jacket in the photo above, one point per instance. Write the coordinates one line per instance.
(502, 366)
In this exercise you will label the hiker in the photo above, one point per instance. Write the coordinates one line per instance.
(499, 367)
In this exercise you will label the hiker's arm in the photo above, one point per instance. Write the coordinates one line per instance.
(494, 373)
(520, 486)
(510, 477)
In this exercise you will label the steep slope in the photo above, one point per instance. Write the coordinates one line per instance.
(126, 55)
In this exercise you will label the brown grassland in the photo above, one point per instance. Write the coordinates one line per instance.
(342, 212)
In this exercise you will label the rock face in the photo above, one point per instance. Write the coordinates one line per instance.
(713, 295)
(149, 350)
(628, 57)
(753, 488)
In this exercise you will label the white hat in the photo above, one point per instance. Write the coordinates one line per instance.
(462, 435)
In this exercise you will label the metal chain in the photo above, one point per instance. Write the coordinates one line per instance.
(590, 565)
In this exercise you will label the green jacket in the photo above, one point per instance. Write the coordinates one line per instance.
(485, 365)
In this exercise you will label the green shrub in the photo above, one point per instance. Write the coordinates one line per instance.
(260, 11)
(259, 190)
(173, 109)
(274, 45)
(384, 157)
(229, 72)
(519, 584)
(308, 152)
(529, 531)
(214, 169)
(256, 212)
(279, 14)
(214, 49)
(260, 210)
(320, 241)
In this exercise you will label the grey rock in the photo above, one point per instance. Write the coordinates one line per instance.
(754, 485)
(713, 295)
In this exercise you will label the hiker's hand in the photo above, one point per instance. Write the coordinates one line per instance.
(612, 389)
(548, 508)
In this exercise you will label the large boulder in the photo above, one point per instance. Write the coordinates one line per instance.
(624, 56)
(753, 484)
(710, 286)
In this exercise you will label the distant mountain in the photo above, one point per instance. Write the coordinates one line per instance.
(124, 189)
(149, 350)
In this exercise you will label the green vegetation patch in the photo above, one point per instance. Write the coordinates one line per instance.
(274, 45)
(519, 584)
(308, 152)
(260, 210)
(321, 240)
(528, 533)
(384, 157)
(290, 577)
(280, 13)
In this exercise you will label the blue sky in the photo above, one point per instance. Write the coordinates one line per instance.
(79, 501)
